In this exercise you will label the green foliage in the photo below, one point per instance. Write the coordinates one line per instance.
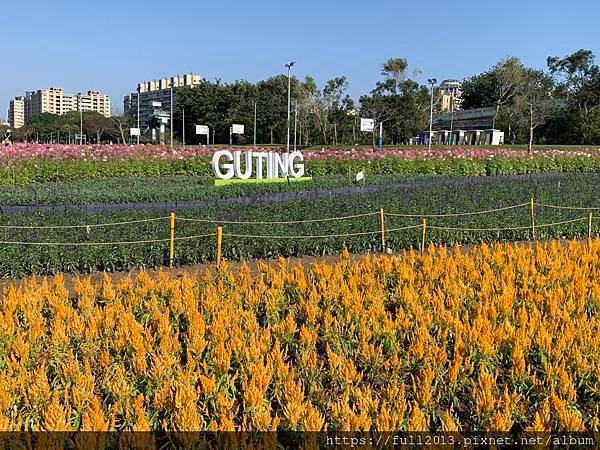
(43, 171)
(419, 198)
(172, 188)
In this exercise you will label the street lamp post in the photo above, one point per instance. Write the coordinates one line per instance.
(431, 81)
(171, 113)
(138, 118)
(183, 126)
(289, 68)
(255, 124)
(295, 123)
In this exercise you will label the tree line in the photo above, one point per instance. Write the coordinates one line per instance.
(559, 105)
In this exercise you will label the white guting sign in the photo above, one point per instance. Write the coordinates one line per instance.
(134, 131)
(237, 129)
(367, 125)
(202, 129)
(244, 165)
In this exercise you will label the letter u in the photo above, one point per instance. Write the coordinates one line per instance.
(237, 163)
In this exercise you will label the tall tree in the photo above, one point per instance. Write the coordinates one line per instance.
(509, 75)
(397, 101)
(535, 102)
(478, 91)
(578, 79)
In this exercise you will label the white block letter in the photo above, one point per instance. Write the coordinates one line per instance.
(296, 168)
(281, 163)
(260, 157)
(228, 166)
(237, 163)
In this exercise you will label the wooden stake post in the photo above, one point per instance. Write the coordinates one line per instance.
(382, 223)
(171, 239)
(219, 243)
(532, 210)
(423, 231)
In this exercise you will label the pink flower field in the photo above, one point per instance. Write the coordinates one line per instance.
(21, 151)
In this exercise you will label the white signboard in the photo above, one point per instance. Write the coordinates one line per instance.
(134, 131)
(202, 129)
(367, 125)
(156, 104)
(237, 129)
(227, 165)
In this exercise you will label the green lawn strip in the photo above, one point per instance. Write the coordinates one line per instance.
(26, 172)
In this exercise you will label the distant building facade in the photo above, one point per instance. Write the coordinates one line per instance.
(450, 95)
(93, 101)
(16, 112)
(467, 119)
(155, 91)
(54, 101)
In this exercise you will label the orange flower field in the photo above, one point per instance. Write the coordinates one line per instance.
(499, 338)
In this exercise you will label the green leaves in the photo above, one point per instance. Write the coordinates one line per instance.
(33, 171)
(418, 197)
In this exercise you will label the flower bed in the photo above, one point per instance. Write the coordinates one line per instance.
(21, 151)
(502, 338)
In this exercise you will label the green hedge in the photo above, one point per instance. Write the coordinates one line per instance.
(41, 171)
(451, 196)
(171, 188)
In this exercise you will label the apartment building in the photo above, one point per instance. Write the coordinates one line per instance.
(93, 101)
(156, 91)
(54, 101)
(451, 95)
(16, 112)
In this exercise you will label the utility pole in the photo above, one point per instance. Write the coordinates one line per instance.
(254, 123)
(289, 68)
(183, 127)
(138, 118)
(295, 123)
(171, 113)
(431, 81)
(80, 124)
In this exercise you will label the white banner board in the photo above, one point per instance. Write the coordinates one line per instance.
(156, 104)
(134, 132)
(367, 125)
(237, 129)
(202, 129)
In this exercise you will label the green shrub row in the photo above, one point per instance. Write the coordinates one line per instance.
(452, 196)
(172, 188)
(41, 171)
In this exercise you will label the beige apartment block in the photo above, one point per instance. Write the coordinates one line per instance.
(16, 112)
(54, 101)
(93, 101)
(451, 95)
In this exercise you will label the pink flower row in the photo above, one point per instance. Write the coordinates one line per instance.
(22, 151)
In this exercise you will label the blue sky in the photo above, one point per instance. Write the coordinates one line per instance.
(112, 45)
